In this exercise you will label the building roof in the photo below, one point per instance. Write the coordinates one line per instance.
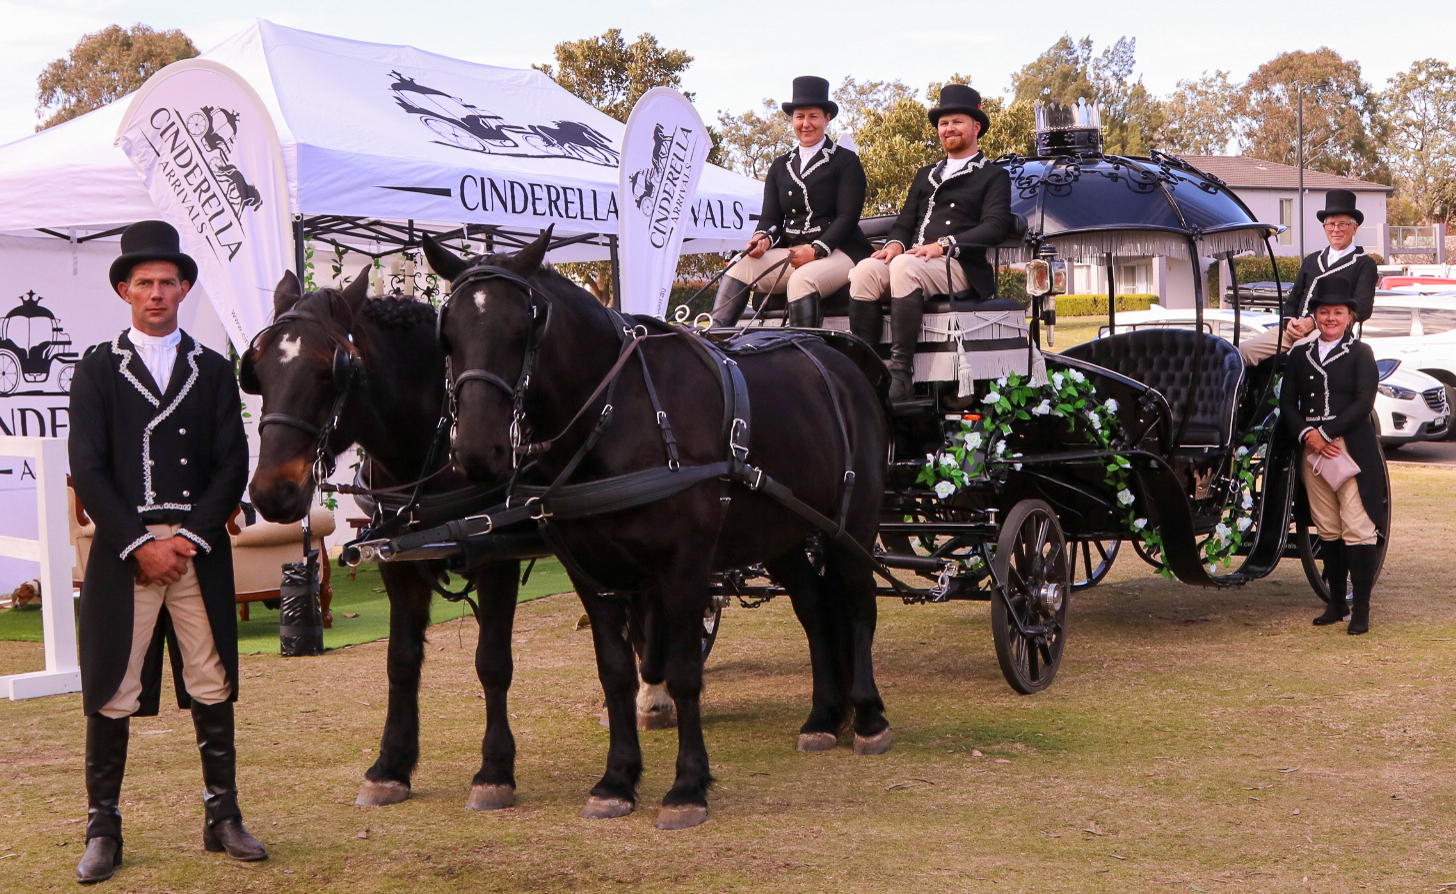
(1245, 172)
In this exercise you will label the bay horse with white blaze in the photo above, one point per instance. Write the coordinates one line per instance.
(629, 400)
(376, 367)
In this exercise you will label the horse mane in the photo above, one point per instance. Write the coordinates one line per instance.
(394, 313)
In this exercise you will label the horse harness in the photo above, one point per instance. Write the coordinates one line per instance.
(561, 500)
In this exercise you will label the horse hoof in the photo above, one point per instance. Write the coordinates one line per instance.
(876, 744)
(491, 797)
(681, 816)
(381, 794)
(605, 808)
(659, 719)
(817, 741)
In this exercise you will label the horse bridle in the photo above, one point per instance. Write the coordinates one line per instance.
(345, 373)
(540, 319)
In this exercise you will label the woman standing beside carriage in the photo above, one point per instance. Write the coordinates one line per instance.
(1327, 398)
(812, 198)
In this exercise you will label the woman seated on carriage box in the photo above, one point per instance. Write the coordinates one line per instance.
(1326, 400)
(812, 197)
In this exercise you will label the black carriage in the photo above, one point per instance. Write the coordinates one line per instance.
(1017, 476)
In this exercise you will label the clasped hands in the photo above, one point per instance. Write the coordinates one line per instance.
(163, 562)
(1316, 442)
(892, 250)
(798, 256)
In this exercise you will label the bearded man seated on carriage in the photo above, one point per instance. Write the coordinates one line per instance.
(954, 208)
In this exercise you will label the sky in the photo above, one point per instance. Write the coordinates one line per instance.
(746, 50)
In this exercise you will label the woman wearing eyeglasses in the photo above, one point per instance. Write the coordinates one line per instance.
(1343, 268)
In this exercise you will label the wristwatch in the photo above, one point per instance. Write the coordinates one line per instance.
(946, 243)
(820, 251)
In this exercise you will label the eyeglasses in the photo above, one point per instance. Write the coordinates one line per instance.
(1340, 225)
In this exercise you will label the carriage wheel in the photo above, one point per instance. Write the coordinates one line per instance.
(1091, 560)
(1029, 610)
(593, 154)
(455, 135)
(9, 372)
(1308, 543)
(711, 619)
(63, 378)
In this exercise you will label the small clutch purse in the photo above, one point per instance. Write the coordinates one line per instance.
(1334, 470)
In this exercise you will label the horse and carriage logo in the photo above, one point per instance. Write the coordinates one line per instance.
(216, 130)
(660, 189)
(463, 125)
(34, 349)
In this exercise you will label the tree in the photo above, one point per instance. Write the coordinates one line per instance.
(1420, 110)
(894, 143)
(1069, 71)
(751, 141)
(1342, 125)
(856, 99)
(1198, 116)
(612, 74)
(103, 67)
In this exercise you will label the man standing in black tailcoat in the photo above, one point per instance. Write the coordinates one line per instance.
(159, 461)
(1343, 268)
(954, 208)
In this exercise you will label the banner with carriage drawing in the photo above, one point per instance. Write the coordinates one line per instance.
(206, 148)
(663, 152)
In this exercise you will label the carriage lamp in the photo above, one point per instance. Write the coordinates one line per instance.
(1046, 278)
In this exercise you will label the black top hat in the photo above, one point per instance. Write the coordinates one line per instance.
(960, 98)
(811, 91)
(1331, 291)
(1340, 201)
(151, 240)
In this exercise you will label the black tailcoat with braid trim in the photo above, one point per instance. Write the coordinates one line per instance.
(1337, 397)
(1355, 274)
(143, 455)
(820, 203)
(972, 205)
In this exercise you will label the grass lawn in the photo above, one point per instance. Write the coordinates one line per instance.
(360, 607)
(1195, 740)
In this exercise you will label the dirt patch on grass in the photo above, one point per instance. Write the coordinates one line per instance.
(1194, 740)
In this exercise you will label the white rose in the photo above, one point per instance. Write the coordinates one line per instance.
(1095, 420)
(973, 440)
(1245, 523)
(1001, 382)
(1057, 379)
(1212, 568)
(991, 398)
(1076, 376)
(947, 460)
(1111, 405)
(1000, 447)
(1221, 531)
(1139, 523)
(1248, 502)
(944, 489)
(1042, 409)
(1125, 497)
(1242, 451)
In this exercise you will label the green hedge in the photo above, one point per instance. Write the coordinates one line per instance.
(1096, 305)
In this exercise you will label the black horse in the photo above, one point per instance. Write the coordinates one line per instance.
(814, 416)
(377, 363)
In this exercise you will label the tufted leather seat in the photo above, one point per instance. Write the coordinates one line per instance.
(1163, 360)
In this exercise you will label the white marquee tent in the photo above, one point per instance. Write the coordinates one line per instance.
(380, 142)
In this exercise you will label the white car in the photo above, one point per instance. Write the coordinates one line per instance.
(1419, 331)
(1409, 406)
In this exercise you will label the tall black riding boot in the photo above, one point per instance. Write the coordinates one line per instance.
(906, 315)
(223, 830)
(804, 312)
(105, 766)
(1364, 564)
(1333, 552)
(731, 301)
(866, 320)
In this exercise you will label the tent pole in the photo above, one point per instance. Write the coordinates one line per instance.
(616, 274)
(299, 261)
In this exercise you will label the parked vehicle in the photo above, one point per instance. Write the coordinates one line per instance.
(1419, 331)
(1420, 284)
(1218, 322)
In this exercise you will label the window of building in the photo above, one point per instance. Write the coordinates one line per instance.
(1286, 219)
